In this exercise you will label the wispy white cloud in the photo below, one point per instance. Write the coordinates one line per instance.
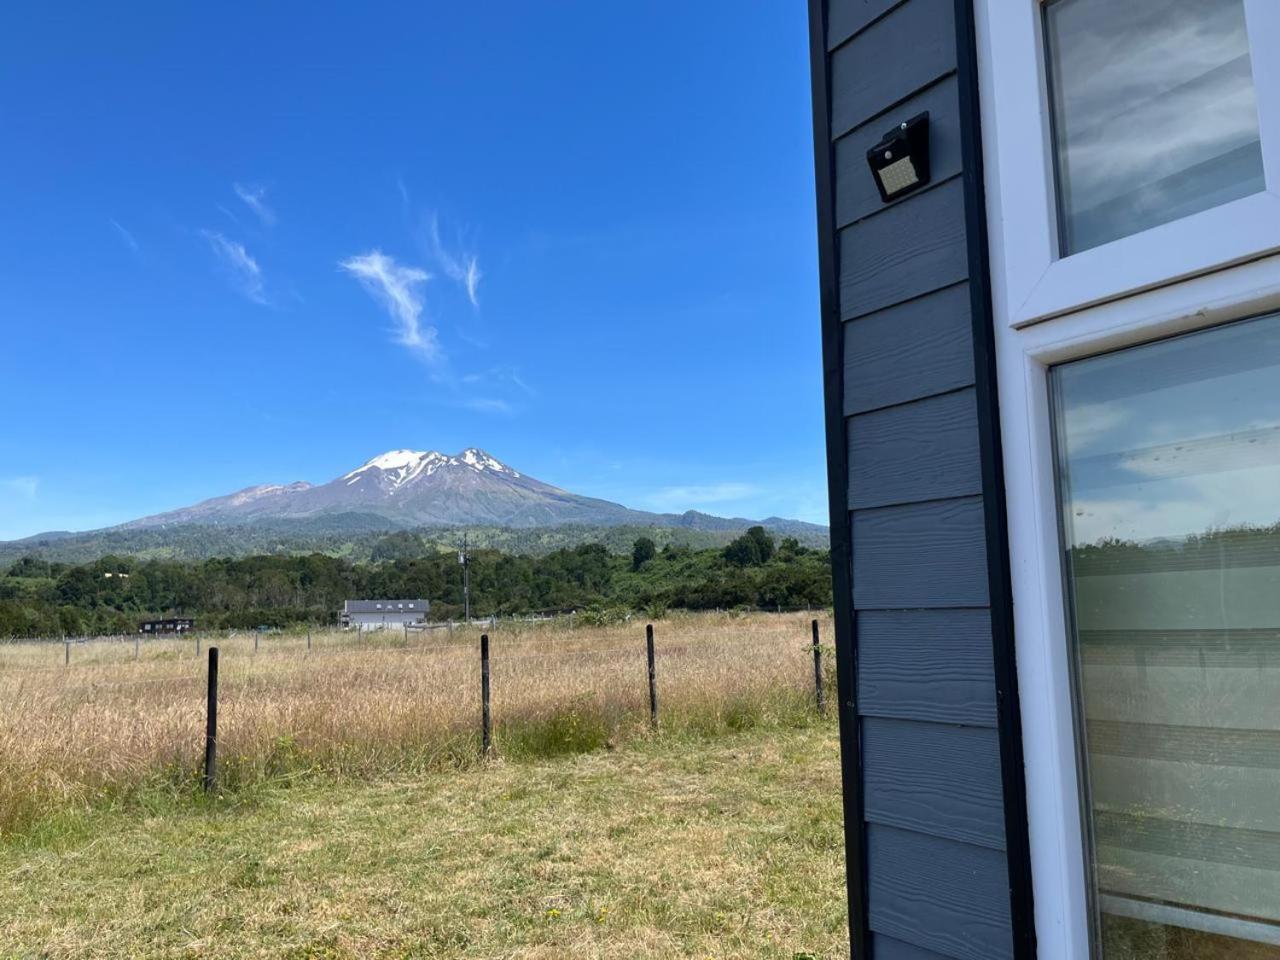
(25, 487)
(129, 239)
(471, 280)
(243, 268)
(399, 289)
(462, 268)
(683, 498)
(255, 198)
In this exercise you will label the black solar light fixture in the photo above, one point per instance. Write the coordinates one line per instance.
(900, 161)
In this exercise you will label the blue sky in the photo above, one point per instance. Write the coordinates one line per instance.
(258, 243)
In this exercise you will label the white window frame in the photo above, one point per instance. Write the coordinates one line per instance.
(1210, 268)
(1036, 283)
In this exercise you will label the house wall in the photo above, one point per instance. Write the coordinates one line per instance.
(932, 760)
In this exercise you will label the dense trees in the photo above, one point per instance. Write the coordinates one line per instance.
(642, 551)
(753, 548)
(112, 594)
(353, 536)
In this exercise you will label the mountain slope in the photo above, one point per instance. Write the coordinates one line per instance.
(401, 490)
(413, 488)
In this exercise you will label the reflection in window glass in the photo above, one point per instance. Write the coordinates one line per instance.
(1154, 113)
(1169, 472)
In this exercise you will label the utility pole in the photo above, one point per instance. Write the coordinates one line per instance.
(464, 558)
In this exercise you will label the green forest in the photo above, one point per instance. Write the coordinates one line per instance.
(111, 595)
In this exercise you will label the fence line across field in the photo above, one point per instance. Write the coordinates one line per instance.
(515, 651)
(209, 778)
(195, 638)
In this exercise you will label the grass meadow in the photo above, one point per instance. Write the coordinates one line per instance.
(355, 816)
(106, 727)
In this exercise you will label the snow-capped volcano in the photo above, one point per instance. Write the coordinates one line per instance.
(396, 490)
(412, 488)
(396, 468)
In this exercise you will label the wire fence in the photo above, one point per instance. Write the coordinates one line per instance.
(107, 720)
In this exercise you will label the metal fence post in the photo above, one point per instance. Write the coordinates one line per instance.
(486, 728)
(817, 672)
(653, 677)
(211, 724)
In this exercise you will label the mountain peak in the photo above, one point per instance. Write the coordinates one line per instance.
(395, 468)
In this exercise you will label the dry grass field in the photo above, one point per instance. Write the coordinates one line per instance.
(111, 729)
(356, 819)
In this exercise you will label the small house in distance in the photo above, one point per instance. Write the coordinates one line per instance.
(170, 625)
(377, 614)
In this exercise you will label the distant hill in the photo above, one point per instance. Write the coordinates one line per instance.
(427, 493)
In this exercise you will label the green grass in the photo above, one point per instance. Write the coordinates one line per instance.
(676, 846)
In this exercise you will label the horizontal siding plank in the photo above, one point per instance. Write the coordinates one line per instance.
(909, 351)
(945, 896)
(897, 55)
(847, 17)
(912, 248)
(887, 948)
(856, 193)
(923, 450)
(934, 778)
(920, 556)
(926, 665)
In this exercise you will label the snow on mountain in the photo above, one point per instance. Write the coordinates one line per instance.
(398, 467)
(395, 468)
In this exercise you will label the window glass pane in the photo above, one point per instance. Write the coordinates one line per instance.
(1169, 477)
(1154, 113)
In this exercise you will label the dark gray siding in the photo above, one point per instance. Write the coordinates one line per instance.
(946, 896)
(936, 882)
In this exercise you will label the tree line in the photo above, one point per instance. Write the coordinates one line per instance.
(114, 594)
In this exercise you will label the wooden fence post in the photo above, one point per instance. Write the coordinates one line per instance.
(257, 635)
(486, 729)
(137, 640)
(817, 672)
(653, 677)
(308, 641)
(66, 642)
(211, 725)
(197, 636)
